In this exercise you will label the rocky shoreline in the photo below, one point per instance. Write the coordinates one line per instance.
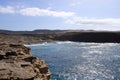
(35, 37)
(17, 63)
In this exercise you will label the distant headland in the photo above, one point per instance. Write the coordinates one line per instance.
(39, 36)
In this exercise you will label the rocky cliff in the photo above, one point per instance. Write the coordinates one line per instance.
(90, 36)
(16, 63)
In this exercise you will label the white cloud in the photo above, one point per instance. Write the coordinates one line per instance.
(34, 11)
(44, 12)
(7, 9)
(92, 21)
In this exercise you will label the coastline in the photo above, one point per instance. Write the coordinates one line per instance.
(76, 36)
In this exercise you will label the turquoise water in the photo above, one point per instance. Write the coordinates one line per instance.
(80, 61)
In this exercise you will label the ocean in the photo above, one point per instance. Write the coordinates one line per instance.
(80, 61)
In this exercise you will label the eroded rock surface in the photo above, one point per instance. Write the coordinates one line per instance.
(16, 63)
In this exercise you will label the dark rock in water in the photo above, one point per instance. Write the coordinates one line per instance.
(16, 63)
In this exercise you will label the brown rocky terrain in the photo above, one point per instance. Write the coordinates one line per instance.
(17, 63)
(26, 38)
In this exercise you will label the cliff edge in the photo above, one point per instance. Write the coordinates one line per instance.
(16, 63)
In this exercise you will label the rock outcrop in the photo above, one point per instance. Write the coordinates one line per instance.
(16, 63)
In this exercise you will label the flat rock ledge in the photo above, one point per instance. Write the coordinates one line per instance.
(17, 63)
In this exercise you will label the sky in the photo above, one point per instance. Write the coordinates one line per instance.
(60, 14)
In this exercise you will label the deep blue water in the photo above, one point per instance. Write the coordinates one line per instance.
(80, 61)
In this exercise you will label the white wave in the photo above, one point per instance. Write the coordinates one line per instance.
(45, 43)
(63, 42)
(37, 44)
